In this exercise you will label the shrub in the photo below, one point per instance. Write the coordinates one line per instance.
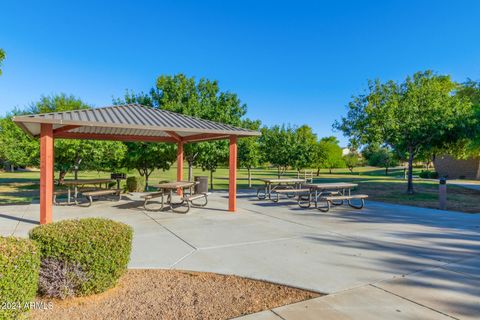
(98, 248)
(19, 265)
(135, 184)
(428, 174)
(60, 279)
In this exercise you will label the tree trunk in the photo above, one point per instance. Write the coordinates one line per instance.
(386, 171)
(351, 169)
(61, 176)
(190, 170)
(147, 175)
(211, 180)
(249, 177)
(318, 172)
(410, 172)
(12, 168)
(298, 174)
(75, 173)
(330, 170)
(278, 172)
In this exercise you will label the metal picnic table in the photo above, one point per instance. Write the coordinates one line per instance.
(281, 183)
(317, 190)
(170, 187)
(78, 183)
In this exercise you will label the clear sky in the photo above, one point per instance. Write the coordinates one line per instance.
(291, 62)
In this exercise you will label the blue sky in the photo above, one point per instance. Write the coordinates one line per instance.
(291, 62)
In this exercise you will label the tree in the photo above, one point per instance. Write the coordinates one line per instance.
(146, 157)
(74, 154)
(2, 57)
(249, 149)
(419, 114)
(202, 99)
(377, 156)
(303, 154)
(332, 154)
(16, 147)
(351, 160)
(211, 154)
(277, 144)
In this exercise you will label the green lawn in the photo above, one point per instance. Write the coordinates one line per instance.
(22, 187)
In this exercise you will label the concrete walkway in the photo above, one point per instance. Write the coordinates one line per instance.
(382, 262)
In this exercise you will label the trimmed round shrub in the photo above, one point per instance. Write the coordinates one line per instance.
(135, 184)
(97, 250)
(19, 266)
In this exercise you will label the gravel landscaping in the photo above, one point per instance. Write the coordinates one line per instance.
(170, 294)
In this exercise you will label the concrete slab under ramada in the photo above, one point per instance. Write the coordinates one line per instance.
(417, 263)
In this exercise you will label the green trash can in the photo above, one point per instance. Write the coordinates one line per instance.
(201, 185)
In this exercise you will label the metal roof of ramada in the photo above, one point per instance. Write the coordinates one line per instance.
(128, 120)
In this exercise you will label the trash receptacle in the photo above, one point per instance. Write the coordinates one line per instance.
(202, 185)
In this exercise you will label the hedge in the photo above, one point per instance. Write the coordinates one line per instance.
(100, 247)
(428, 174)
(135, 184)
(19, 267)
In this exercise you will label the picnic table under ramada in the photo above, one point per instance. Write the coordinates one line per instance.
(169, 188)
(80, 183)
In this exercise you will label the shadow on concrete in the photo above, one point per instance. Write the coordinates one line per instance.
(20, 219)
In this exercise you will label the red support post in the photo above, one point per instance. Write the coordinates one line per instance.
(46, 173)
(232, 180)
(179, 164)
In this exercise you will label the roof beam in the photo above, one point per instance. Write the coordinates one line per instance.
(205, 137)
(174, 135)
(113, 137)
(65, 128)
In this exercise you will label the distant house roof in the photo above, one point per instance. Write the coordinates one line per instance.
(131, 122)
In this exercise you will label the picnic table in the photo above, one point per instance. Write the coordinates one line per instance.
(83, 182)
(332, 193)
(275, 185)
(170, 187)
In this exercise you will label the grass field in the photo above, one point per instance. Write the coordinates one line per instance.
(22, 187)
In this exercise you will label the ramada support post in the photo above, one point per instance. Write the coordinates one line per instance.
(232, 181)
(46, 173)
(179, 164)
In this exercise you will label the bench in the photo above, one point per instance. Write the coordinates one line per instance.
(90, 194)
(189, 201)
(331, 198)
(290, 193)
(196, 197)
(58, 193)
(151, 196)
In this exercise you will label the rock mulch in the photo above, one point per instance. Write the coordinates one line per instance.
(171, 294)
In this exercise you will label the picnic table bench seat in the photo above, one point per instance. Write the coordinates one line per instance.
(329, 199)
(57, 193)
(289, 192)
(150, 196)
(90, 194)
(193, 197)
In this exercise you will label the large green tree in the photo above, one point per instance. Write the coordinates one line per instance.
(277, 145)
(72, 155)
(329, 154)
(211, 155)
(202, 99)
(249, 155)
(303, 154)
(420, 113)
(16, 147)
(146, 157)
(378, 156)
